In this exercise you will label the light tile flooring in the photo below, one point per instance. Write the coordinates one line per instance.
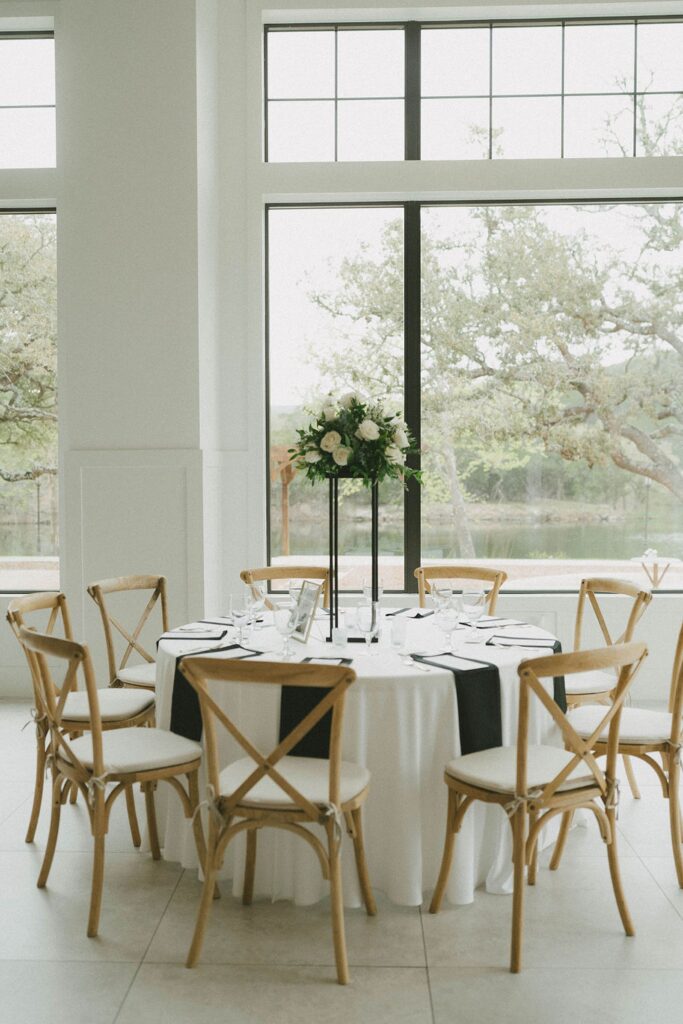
(273, 962)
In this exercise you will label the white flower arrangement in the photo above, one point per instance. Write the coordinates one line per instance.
(356, 436)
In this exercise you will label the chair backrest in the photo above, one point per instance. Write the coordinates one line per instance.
(622, 658)
(496, 577)
(676, 691)
(335, 680)
(20, 612)
(289, 572)
(588, 595)
(74, 656)
(123, 584)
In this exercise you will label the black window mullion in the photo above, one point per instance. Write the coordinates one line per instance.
(412, 342)
(412, 89)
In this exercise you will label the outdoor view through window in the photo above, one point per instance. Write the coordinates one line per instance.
(551, 383)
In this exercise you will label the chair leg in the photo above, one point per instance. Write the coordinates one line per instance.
(41, 757)
(148, 788)
(518, 851)
(565, 825)
(132, 817)
(249, 869)
(204, 909)
(447, 857)
(361, 863)
(338, 934)
(97, 883)
(199, 840)
(533, 858)
(675, 817)
(54, 831)
(631, 776)
(616, 875)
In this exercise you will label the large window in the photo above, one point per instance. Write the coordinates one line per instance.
(546, 378)
(475, 91)
(28, 402)
(27, 100)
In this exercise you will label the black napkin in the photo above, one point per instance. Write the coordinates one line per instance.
(186, 715)
(295, 703)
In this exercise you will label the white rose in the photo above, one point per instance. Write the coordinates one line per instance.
(313, 456)
(341, 455)
(401, 438)
(330, 441)
(398, 421)
(368, 431)
(348, 399)
(329, 411)
(395, 456)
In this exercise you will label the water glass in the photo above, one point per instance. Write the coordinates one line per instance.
(340, 634)
(367, 590)
(367, 618)
(399, 634)
(241, 617)
(446, 619)
(473, 607)
(285, 623)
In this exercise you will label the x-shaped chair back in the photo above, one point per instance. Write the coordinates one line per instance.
(495, 577)
(73, 656)
(288, 572)
(588, 596)
(335, 680)
(676, 693)
(622, 658)
(19, 612)
(104, 588)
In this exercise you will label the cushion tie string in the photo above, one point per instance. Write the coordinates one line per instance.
(212, 806)
(612, 795)
(37, 717)
(675, 750)
(328, 811)
(521, 801)
(96, 782)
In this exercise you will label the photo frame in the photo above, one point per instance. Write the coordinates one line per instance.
(304, 612)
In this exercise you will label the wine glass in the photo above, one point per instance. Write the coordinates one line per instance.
(285, 623)
(241, 616)
(473, 607)
(256, 601)
(442, 593)
(294, 590)
(368, 620)
(367, 590)
(446, 619)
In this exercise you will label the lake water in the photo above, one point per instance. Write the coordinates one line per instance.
(521, 540)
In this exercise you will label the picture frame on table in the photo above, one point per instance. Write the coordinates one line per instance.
(305, 609)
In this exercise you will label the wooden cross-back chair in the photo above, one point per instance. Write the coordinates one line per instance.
(533, 783)
(122, 757)
(120, 672)
(597, 687)
(288, 572)
(280, 791)
(495, 577)
(118, 709)
(646, 735)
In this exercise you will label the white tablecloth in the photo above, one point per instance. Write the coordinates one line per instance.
(402, 724)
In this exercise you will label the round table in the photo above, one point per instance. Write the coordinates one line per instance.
(402, 724)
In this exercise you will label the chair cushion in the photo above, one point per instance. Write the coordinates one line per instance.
(595, 681)
(638, 725)
(496, 769)
(115, 704)
(310, 775)
(137, 750)
(138, 675)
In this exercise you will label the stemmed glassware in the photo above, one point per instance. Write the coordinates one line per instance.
(473, 607)
(241, 617)
(284, 617)
(256, 601)
(446, 619)
(367, 618)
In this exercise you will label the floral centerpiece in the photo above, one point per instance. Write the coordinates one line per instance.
(354, 437)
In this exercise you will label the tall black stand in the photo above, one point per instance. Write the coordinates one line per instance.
(334, 548)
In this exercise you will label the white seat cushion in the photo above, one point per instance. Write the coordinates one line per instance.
(138, 675)
(638, 725)
(115, 704)
(594, 681)
(496, 769)
(310, 775)
(137, 750)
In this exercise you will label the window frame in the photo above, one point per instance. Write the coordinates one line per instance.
(412, 88)
(412, 341)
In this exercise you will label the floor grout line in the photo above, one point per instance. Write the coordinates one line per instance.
(429, 979)
(147, 947)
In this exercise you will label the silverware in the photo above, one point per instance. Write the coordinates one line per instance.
(416, 664)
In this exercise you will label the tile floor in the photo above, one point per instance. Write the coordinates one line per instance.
(273, 962)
